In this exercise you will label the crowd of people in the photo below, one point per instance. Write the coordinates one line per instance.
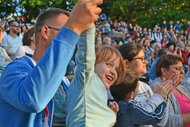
(74, 70)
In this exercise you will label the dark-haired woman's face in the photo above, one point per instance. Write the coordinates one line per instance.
(171, 48)
(138, 64)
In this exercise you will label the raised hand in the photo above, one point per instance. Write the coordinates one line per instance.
(176, 79)
(83, 15)
(164, 89)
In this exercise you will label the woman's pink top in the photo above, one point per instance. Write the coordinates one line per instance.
(184, 103)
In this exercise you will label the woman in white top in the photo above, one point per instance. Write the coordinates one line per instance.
(28, 44)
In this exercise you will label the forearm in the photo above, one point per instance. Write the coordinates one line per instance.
(143, 117)
(85, 57)
(149, 104)
(10, 53)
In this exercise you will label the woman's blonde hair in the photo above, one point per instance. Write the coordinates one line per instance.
(105, 53)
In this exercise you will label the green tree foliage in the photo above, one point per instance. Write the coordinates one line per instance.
(143, 12)
(7, 7)
(34, 7)
(30, 8)
(149, 12)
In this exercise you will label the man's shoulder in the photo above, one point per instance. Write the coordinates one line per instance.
(8, 36)
(23, 62)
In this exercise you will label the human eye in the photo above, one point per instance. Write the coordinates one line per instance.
(108, 64)
(142, 59)
(179, 68)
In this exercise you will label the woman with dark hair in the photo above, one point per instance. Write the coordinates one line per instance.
(179, 99)
(171, 48)
(28, 44)
(23, 29)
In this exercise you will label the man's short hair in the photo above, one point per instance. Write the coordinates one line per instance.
(44, 17)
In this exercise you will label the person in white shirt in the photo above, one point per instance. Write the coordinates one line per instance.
(28, 44)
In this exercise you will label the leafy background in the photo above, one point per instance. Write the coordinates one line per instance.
(143, 12)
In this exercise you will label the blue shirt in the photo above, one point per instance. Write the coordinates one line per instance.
(152, 74)
(131, 115)
(26, 89)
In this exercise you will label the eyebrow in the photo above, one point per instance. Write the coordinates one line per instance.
(139, 56)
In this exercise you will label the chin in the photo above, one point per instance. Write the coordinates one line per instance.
(144, 72)
(107, 86)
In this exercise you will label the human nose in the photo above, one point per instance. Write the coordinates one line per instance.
(182, 71)
(113, 71)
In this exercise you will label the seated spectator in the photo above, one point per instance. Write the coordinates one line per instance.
(128, 39)
(158, 35)
(118, 37)
(107, 41)
(4, 58)
(184, 52)
(152, 74)
(179, 100)
(186, 79)
(70, 70)
(164, 42)
(59, 114)
(171, 48)
(28, 44)
(12, 42)
(156, 47)
(177, 26)
(148, 51)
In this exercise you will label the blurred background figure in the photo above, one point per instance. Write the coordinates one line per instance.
(4, 58)
(12, 42)
(28, 44)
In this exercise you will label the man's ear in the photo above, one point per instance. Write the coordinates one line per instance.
(126, 63)
(45, 32)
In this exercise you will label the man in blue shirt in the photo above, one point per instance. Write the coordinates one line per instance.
(28, 85)
(12, 41)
